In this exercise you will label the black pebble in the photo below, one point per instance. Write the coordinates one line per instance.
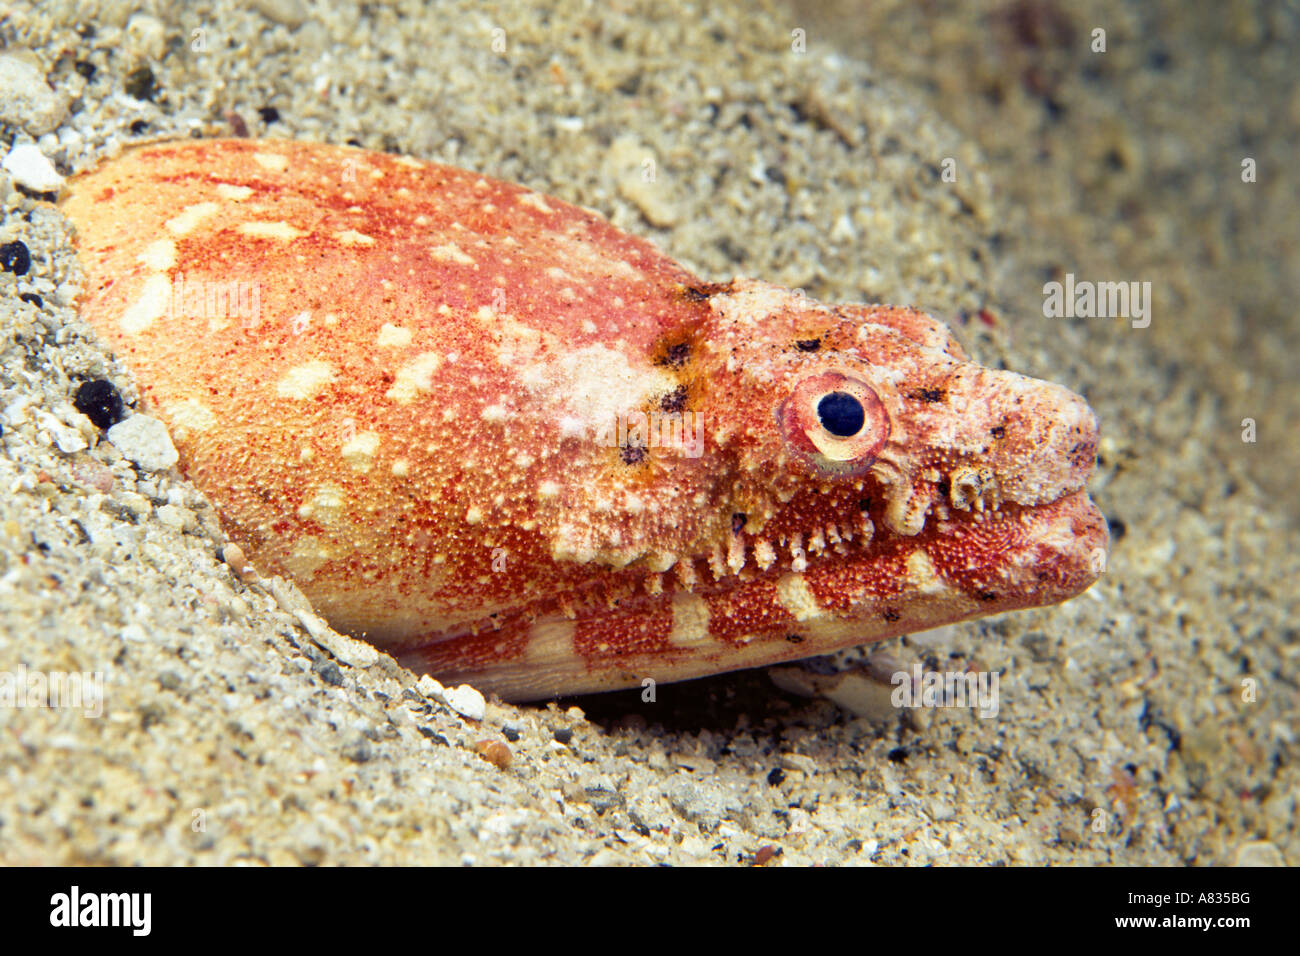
(269, 114)
(99, 401)
(329, 673)
(141, 84)
(15, 258)
(31, 298)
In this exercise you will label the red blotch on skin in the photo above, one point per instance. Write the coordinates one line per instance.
(847, 586)
(470, 652)
(614, 636)
(736, 614)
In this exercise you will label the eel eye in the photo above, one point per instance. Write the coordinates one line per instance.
(835, 421)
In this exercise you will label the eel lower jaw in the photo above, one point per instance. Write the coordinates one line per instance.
(1066, 551)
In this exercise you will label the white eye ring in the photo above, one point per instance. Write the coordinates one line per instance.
(835, 421)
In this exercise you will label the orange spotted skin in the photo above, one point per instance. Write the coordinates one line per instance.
(515, 446)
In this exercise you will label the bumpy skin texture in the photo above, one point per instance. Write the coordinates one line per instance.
(430, 422)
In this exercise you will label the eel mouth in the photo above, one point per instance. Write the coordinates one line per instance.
(1028, 557)
(1064, 550)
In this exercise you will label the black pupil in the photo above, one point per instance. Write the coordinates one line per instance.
(841, 414)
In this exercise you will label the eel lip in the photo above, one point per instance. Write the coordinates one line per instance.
(1074, 546)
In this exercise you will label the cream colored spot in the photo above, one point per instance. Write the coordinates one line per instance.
(551, 643)
(233, 193)
(393, 336)
(494, 414)
(597, 383)
(409, 162)
(159, 255)
(190, 217)
(360, 451)
(536, 201)
(350, 237)
(273, 162)
(270, 230)
(474, 515)
(548, 490)
(152, 304)
(750, 303)
(450, 252)
(523, 460)
(690, 621)
(797, 598)
(413, 378)
(921, 574)
(306, 380)
(571, 427)
(401, 468)
(325, 507)
(188, 416)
